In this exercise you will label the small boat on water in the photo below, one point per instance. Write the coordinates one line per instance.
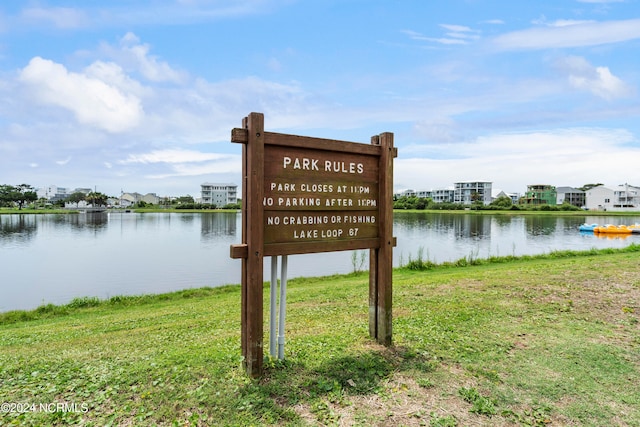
(618, 229)
(587, 227)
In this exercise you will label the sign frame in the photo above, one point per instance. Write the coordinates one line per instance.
(324, 158)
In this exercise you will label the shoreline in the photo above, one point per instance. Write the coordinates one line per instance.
(420, 264)
(6, 211)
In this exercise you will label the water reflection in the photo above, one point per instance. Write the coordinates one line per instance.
(541, 225)
(94, 221)
(16, 230)
(472, 226)
(460, 226)
(218, 224)
(119, 253)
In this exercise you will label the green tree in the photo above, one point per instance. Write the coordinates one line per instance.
(185, 199)
(502, 202)
(588, 187)
(476, 200)
(76, 198)
(20, 194)
(5, 195)
(96, 199)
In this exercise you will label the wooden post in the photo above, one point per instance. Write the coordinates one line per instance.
(252, 265)
(381, 259)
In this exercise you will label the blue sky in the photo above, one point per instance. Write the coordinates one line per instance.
(142, 96)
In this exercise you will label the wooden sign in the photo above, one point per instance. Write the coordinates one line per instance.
(306, 195)
(319, 199)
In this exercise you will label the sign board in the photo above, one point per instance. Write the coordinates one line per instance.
(319, 200)
(306, 195)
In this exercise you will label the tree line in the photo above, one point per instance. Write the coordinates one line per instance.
(501, 203)
(24, 195)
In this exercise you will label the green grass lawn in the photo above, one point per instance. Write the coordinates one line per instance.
(532, 342)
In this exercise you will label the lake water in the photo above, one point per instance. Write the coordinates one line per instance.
(55, 258)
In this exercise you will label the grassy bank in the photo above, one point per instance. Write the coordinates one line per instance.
(400, 211)
(174, 210)
(9, 211)
(521, 212)
(539, 341)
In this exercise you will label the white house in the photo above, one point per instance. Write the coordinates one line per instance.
(620, 198)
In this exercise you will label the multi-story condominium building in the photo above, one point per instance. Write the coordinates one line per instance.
(218, 194)
(407, 193)
(540, 194)
(423, 194)
(626, 197)
(442, 195)
(570, 195)
(469, 192)
(53, 193)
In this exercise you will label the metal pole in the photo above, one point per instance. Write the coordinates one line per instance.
(273, 308)
(283, 307)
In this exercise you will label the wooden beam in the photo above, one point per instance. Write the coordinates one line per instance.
(239, 251)
(240, 135)
(381, 263)
(253, 286)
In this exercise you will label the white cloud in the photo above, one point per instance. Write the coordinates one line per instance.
(514, 160)
(92, 101)
(570, 34)
(436, 129)
(597, 80)
(176, 155)
(456, 28)
(568, 22)
(455, 35)
(63, 162)
(59, 17)
(113, 75)
(179, 162)
(135, 54)
(208, 168)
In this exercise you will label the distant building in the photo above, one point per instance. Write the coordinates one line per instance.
(571, 195)
(627, 197)
(53, 193)
(621, 198)
(442, 195)
(407, 193)
(469, 192)
(218, 194)
(497, 193)
(128, 199)
(540, 194)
